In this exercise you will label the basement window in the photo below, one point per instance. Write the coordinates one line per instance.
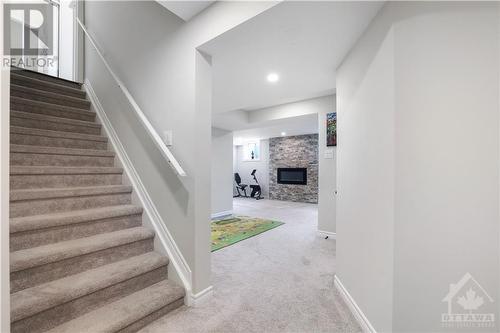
(251, 151)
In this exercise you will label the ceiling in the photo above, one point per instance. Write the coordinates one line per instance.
(306, 124)
(293, 118)
(303, 42)
(186, 9)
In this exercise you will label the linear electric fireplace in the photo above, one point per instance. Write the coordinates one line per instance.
(296, 176)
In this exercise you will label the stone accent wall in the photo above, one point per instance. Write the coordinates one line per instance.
(294, 152)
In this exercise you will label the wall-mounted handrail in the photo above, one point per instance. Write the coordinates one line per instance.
(167, 154)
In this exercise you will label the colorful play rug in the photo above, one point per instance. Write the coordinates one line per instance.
(233, 229)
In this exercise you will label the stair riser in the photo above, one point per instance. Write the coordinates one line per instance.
(135, 327)
(34, 238)
(32, 140)
(48, 78)
(81, 103)
(53, 181)
(54, 126)
(50, 111)
(30, 159)
(63, 90)
(57, 315)
(34, 276)
(54, 205)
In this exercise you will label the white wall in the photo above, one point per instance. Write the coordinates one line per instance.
(222, 171)
(156, 58)
(418, 161)
(450, 196)
(66, 37)
(365, 176)
(327, 182)
(245, 168)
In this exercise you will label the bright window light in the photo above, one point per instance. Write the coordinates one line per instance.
(273, 77)
(283, 133)
(251, 151)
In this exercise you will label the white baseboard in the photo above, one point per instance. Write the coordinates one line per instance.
(328, 233)
(166, 240)
(365, 324)
(201, 297)
(222, 214)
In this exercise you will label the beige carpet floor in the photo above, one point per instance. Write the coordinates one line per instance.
(278, 281)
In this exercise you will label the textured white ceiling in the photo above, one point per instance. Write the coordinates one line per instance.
(303, 42)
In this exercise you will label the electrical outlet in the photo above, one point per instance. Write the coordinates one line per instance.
(167, 137)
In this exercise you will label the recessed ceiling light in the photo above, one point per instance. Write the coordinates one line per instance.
(283, 133)
(273, 77)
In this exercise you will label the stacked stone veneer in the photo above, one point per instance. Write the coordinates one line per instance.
(299, 151)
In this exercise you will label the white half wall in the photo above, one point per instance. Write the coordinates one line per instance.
(418, 163)
(157, 60)
(222, 171)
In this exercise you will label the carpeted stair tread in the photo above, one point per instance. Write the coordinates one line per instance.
(81, 259)
(45, 193)
(31, 82)
(28, 258)
(45, 77)
(26, 177)
(28, 302)
(59, 151)
(60, 120)
(58, 170)
(57, 134)
(38, 107)
(52, 137)
(49, 97)
(118, 315)
(35, 222)
(53, 123)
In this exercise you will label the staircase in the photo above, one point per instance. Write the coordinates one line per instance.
(80, 259)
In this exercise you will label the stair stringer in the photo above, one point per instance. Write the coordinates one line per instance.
(178, 270)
